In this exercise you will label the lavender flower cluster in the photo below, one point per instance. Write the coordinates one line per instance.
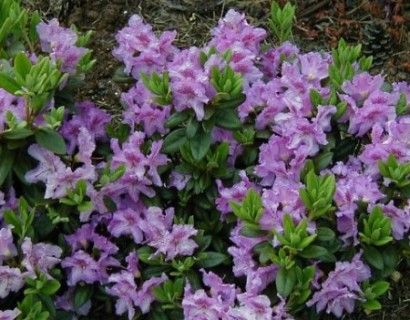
(145, 227)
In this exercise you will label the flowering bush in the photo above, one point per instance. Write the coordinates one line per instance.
(241, 183)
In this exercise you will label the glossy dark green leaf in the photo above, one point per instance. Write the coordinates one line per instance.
(51, 140)
(313, 251)
(17, 134)
(374, 257)
(176, 119)
(174, 141)
(212, 259)
(6, 164)
(200, 144)
(50, 287)
(372, 304)
(325, 234)
(285, 281)
(22, 66)
(227, 119)
(8, 83)
(82, 294)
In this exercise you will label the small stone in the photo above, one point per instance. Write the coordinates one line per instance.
(402, 76)
(396, 276)
(92, 14)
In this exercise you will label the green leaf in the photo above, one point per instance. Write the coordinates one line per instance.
(50, 287)
(6, 164)
(12, 219)
(380, 287)
(50, 140)
(8, 83)
(252, 232)
(374, 257)
(212, 259)
(176, 119)
(313, 251)
(401, 106)
(19, 133)
(322, 160)
(174, 141)
(315, 97)
(200, 144)
(325, 234)
(82, 294)
(192, 127)
(285, 281)
(22, 66)
(227, 119)
(372, 304)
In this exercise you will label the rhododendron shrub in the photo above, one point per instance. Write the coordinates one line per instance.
(240, 183)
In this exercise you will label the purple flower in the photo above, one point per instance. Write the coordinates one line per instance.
(335, 300)
(242, 253)
(125, 289)
(234, 29)
(354, 187)
(155, 159)
(9, 314)
(260, 278)
(11, 280)
(141, 50)
(272, 59)
(143, 111)
(175, 242)
(125, 222)
(235, 148)
(133, 264)
(141, 170)
(404, 88)
(155, 223)
(7, 247)
(378, 108)
(55, 174)
(254, 99)
(236, 193)
(91, 117)
(85, 235)
(272, 96)
(251, 308)
(65, 302)
(40, 256)
(243, 62)
(341, 289)
(188, 94)
(81, 267)
(145, 296)
(199, 306)
(400, 218)
(314, 66)
(16, 105)
(280, 311)
(362, 85)
(129, 297)
(226, 293)
(179, 181)
(51, 34)
(60, 42)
